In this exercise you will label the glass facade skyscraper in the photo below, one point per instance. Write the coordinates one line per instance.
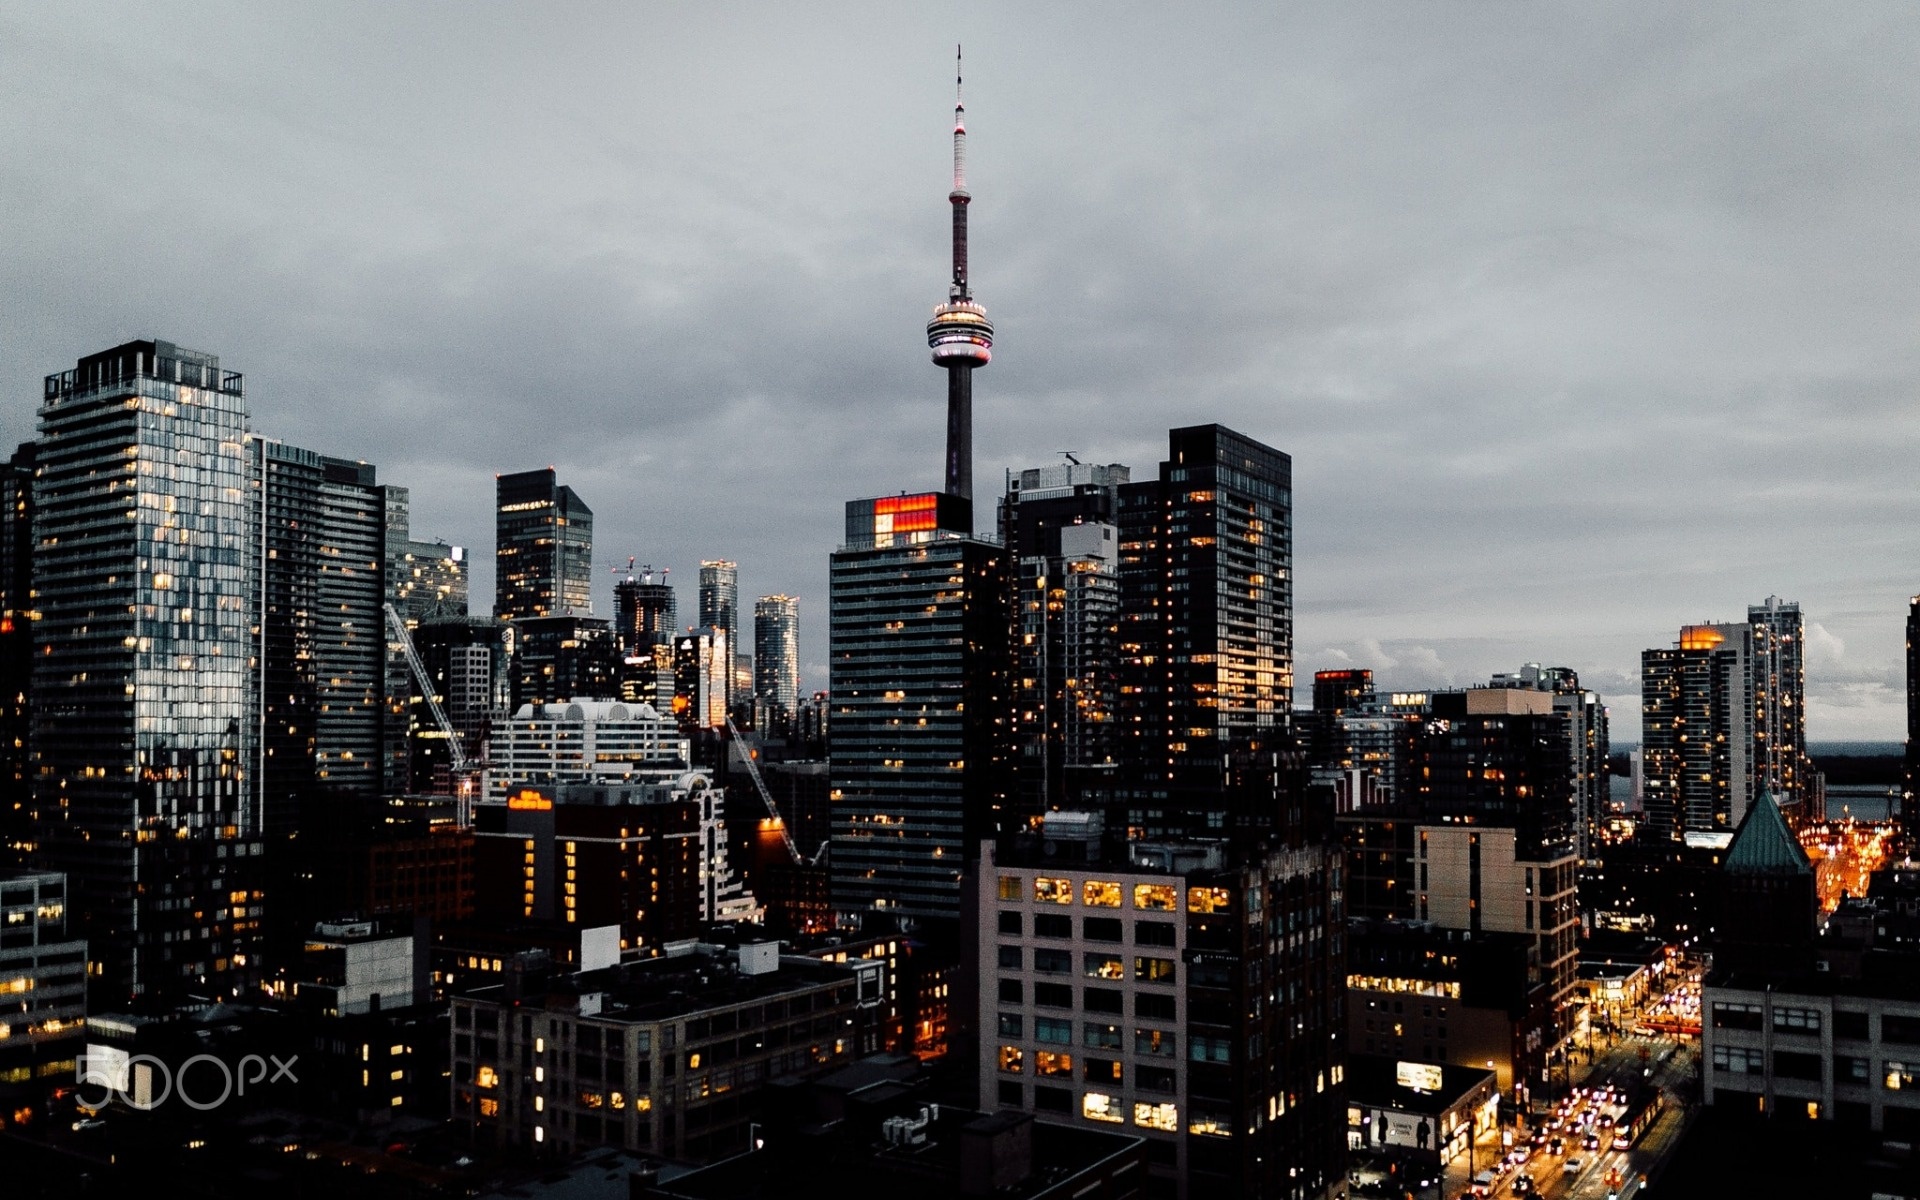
(543, 549)
(145, 722)
(776, 660)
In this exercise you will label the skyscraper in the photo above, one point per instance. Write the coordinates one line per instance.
(16, 652)
(1588, 736)
(646, 615)
(144, 728)
(917, 740)
(1910, 817)
(776, 660)
(720, 609)
(543, 548)
(424, 580)
(1206, 631)
(960, 335)
(1779, 701)
(1696, 705)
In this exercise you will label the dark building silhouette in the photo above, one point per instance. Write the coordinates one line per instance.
(543, 550)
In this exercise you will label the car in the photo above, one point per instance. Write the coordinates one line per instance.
(1523, 1184)
(1592, 1142)
(1556, 1145)
(1571, 1166)
(1483, 1183)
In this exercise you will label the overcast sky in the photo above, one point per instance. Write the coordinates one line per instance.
(1580, 322)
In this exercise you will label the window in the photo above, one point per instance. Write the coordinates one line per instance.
(1729, 1015)
(1153, 970)
(1051, 1099)
(1850, 1024)
(1098, 1106)
(1899, 1076)
(1155, 1079)
(1052, 1031)
(1796, 1020)
(1100, 893)
(1905, 1030)
(1053, 962)
(1047, 890)
(1010, 887)
(1209, 1049)
(1052, 925)
(1153, 933)
(1052, 1062)
(1099, 965)
(1209, 900)
(1011, 958)
(1157, 1116)
(1795, 1064)
(1011, 992)
(1011, 1059)
(1849, 1069)
(1100, 1037)
(1211, 1124)
(1101, 929)
(1154, 897)
(1010, 1093)
(1053, 995)
(1104, 1000)
(1157, 1042)
(1010, 923)
(1739, 1060)
(1011, 1025)
(1153, 1006)
(1104, 1070)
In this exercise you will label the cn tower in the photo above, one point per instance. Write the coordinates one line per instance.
(960, 334)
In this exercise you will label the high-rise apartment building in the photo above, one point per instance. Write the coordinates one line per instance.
(317, 563)
(776, 661)
(1910, 818)
(720, 610)
(543, 551)
(144, 729)
(1587, 732)
(16, 652)
(1779, 702)
(702, 663)
(1058, 526)
(918, 650)
(1697, 735)
(1206, 632)
(470, 666)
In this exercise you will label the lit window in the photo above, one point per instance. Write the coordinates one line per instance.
(486, 1078)
(1157, 1116)
(1053, 891)
(1011, 1059)
(1100, 893)
(1010, 887)
(1208, 900)
(1155, 897)
(1098, 1106)
(1049, 1062)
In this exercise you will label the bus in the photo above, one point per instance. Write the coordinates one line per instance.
(1636, 1119)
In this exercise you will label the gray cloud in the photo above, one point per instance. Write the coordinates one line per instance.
(1579, 322)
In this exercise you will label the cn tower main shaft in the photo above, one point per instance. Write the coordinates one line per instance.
(960, 335)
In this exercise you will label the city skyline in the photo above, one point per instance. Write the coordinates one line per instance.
(1564, 360)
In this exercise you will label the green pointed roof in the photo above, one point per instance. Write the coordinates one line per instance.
(1763, 845)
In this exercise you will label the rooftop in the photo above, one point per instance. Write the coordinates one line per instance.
(1763, 845)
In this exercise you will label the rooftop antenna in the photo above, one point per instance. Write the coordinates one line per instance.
(1069, 456)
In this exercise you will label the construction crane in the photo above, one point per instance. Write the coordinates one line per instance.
(459, 765)
(766, 798)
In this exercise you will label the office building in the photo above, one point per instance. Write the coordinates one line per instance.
(1206, 632)
(469, 664)
(1780, 761)
(776, 663)
(43, 985)
(557, 659)
(720, 595)
(17, 839)
(543, 550)
(918, 742)
(1189, 992)
(1058, 525)
(646, 616)
(544, 745)
(144, 730)
(669, 1056)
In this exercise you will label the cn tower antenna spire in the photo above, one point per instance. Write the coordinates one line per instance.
(960, 335)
